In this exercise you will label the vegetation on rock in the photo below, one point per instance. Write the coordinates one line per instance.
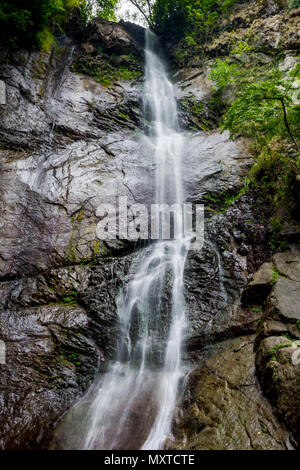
(266, 110)
(29, 23)
(107, 69)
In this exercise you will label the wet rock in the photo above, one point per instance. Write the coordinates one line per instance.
(73, 128)
(115, 37)
(69, 144)
(54, 351)
(288, 263)
(258, 289)
(196, 85)
(224, 408)
(277, 343)
(214, 165)
(216, 277)
(50, 361)
(284, 301)
(88, 48)
(278, 367)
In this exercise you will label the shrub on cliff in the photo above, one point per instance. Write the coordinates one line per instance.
(267, 111)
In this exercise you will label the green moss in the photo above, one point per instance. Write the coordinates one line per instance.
(108, 69)
(275, 275)
(223, 200)
(96, 248)
(70, 299)
(46, 40)
(257, 309)
(272, 352)
(80, 215)
(196, 109)
(124, 116)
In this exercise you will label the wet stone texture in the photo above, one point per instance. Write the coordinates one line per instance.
(68, 144)
(277, 341)
(224, 407)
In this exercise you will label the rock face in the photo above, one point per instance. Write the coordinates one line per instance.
(278, 342)
(121, 38)
(258, 289)
(69, 144)
(224, 407)
(268, 25)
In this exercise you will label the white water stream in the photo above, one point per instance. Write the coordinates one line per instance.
(132, 405)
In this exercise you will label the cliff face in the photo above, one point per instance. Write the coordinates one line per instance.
(71, 140)
(270, 35)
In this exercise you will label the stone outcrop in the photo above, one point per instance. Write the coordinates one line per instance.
(120, 38)
(258, 289)
(277, 342)
(224, 407)
(69, 144)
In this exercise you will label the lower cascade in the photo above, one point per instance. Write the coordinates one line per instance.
(132, 404)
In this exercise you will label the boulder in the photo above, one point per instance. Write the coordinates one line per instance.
(288, 263)
(114, 37)
(278, 367)
(50, 361)
(223, 407)
(277, 343)
(259, 288)
(284, 301)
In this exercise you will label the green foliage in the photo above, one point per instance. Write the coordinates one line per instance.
(272, 352)
(70, 299)
(45, 39)
(223, 73)
(27, 23)
(222, 201)
(259, 108)
(265, 111)
(293, 4)
(198, 114)
(189, 20)
(103, 8)
(256, 309)
(275, 275)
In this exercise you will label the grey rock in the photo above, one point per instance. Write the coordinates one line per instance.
(50, 360)
(288, 263)
(115, 37)
(277, 343)
(259, 288)
(223, 407)
(284, 301)
(277, 362)
(69, 144)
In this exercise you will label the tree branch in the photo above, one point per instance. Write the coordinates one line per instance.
(136, 5)
(284, 117)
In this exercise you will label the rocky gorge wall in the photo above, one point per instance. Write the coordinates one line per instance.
(71, 139)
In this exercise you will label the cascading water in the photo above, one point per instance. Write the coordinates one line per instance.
(131, 406)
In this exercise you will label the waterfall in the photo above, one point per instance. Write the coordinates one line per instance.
(132, 405)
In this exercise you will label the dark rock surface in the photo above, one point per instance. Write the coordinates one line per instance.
(120, 38)
(277, 342)
(58, 328)
(68, 144)
(224, 409)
